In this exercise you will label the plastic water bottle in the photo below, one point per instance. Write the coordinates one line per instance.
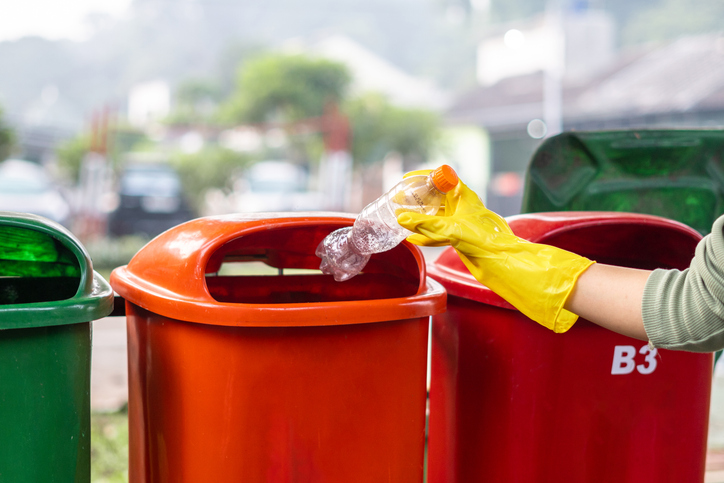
(346, 251)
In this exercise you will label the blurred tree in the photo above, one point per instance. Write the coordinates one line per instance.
(195, 101)
(212, 167)
(379, 128)
(71, 153)
(7, 138)
(124, 138)
(121, 140)
(292, 90)
(285, 88)
(231, 60)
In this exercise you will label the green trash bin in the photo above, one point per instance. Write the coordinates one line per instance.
(49, 295)
(674, 173)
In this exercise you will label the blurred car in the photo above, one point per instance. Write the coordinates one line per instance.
(150, 201)
(26, 187)
(275, 186)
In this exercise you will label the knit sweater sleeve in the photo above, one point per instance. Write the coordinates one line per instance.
(684, 310)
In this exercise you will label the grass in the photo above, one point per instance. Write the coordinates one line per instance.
(109, 447)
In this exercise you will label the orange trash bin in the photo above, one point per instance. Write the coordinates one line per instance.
(283, 377)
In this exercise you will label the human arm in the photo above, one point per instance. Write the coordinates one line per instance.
(611, 296)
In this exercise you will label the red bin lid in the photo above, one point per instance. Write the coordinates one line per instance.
(174, 275)
(625, 239)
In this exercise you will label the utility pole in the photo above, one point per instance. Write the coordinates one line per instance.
(553, 74)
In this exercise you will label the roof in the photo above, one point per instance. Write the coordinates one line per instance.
(684, 76)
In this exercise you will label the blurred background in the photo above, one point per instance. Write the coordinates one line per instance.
(135, 115)
(121, 118)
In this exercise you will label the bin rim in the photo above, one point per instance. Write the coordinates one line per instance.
(93, 299)
(176, 288)
(462, 284)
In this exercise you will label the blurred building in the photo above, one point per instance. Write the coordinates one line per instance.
(149, 102)
(578, 43)
(529, 93)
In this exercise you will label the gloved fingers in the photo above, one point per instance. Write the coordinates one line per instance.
(478, 232)
(430, 230)
(423, 241)
(462, 201)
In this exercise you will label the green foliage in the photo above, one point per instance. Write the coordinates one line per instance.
(109, 253)
(122, 139)
(109, 447)
(283, 87)
(71, 153)
(194, 91)
(7, 139)
(232, 58)
(379, 128)
(212, 167)
(288, 88)
(196, 100)
(125, 139)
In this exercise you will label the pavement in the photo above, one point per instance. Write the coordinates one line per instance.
(714, 466)
(109, 365)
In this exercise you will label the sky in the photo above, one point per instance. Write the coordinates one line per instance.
(53, 19)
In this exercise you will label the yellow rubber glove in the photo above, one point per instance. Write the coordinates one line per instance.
(534, 278)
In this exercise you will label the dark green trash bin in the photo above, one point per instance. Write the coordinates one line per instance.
(49, 295)
(674, 173)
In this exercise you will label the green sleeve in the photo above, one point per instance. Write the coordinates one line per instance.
(684, 310)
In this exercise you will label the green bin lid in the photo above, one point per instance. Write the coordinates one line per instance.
(673, 173)
(46, 275)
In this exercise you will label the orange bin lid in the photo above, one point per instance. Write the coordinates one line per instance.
(169, 275)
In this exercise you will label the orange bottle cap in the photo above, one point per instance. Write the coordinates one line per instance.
(444, 178)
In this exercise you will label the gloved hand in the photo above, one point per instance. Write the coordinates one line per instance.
(534, 278)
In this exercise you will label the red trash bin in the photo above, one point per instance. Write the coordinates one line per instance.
(510, 401)
(283, 377)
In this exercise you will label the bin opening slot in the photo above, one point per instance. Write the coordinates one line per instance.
(35, 267)
(633, 245)
(276, 266)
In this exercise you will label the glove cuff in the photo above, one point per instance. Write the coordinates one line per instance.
(535, 279)
(562, 319)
